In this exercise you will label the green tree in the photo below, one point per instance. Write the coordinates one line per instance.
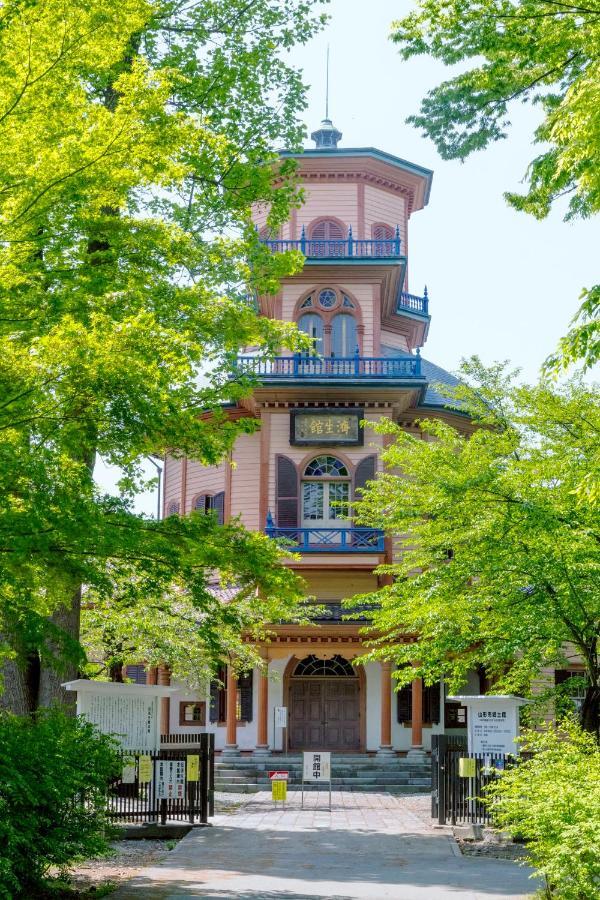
(552, 801)
(498, 559)
(540, 52)
(135, 138)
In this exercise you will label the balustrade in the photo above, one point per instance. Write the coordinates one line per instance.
(343, 367)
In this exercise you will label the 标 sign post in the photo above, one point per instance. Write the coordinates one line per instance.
(316, 768)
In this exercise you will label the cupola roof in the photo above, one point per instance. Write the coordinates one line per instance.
(326, 137)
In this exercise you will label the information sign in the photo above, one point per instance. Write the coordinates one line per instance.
(170, 783)
(278, 775)
(317, 767)
(193, 768)
(145, 769)
(466, 767)
(281, 717)
(278, 790)
(128, 774)
(492, 723)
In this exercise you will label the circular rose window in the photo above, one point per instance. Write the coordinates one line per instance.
(327, 299)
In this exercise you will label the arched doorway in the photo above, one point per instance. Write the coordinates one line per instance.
(324, 698)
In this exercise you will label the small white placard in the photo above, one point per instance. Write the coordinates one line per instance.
(317, 766)
(493, 723)
(281, 717)
(170, 783)
(128, 774)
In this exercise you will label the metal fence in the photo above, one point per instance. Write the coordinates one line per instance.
(136, 796)
(457, 799)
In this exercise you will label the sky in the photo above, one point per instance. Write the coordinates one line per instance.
(501, 284)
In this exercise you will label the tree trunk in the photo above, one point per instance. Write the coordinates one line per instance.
(20, 682)
(61, 669)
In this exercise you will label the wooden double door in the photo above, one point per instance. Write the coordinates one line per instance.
(324, 714)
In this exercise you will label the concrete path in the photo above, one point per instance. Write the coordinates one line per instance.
(374, 846)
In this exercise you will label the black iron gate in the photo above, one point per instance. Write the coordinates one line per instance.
(457, 799)
(135, 797)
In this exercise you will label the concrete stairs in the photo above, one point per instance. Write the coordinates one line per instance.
(396, 775)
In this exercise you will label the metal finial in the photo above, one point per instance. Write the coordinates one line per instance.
(327, 86)
(425, 294)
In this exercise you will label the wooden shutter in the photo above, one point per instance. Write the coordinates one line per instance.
(327, 231)
(218, 503)
(287, 493)
(365, 471)
(214, 701)
(200, 503)
(404, 701)
(245, 688)
(383, 233)
(431, 703)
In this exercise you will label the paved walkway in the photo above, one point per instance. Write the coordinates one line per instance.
(374, 846)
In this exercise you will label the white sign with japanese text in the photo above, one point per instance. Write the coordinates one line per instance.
(317, 766)
(492, 723)
(170, 781)
(281, 717)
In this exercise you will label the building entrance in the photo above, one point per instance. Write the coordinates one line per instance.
(324, 705)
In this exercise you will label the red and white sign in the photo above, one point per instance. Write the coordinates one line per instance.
(278, 776)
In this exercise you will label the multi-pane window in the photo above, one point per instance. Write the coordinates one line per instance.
(325, 492)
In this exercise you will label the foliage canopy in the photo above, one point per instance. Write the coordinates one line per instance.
(552, 801)
(497, 560)
(540, 52)
(135, 139)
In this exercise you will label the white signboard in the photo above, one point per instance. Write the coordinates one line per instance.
(317, 766)
(170, 784)
(130, 711)
(492, 723)
(133, 717)
(281, 717)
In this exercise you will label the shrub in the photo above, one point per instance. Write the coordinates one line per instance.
(54, 774)
(552, 801)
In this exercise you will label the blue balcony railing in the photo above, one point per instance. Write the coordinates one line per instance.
(344, 248)
(414, 303)
(399, 368)
(329, 540)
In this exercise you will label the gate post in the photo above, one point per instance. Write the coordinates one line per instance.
(204, 779)
(211, 769)
(441, 778)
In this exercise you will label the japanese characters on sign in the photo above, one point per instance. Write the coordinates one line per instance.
(131, 716)
(317, 766)
(278, 775)
(170, 779)
(493, 723)
(278, 790)
(145, 769)
(193, 767)
(326, 426)
(281, 717)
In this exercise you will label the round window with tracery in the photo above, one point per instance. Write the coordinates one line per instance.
(327, 298)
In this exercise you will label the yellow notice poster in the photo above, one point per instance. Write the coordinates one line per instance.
(466, 767)
(145, 769)
(193, 768)
(279, 790)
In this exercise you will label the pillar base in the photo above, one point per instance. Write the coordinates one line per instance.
(387, 751)
(262, 751)
(416, 753)
(230, 750)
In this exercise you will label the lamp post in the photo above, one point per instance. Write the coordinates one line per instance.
(159, 470)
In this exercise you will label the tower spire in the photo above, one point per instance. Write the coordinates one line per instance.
(327, 86)
(326, 137)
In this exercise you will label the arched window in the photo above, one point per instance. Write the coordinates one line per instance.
(325, 493)
(343, 335)
(312, 324)
(336, 667)
(173, 508)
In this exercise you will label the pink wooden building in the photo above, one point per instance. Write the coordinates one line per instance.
(294, 477)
